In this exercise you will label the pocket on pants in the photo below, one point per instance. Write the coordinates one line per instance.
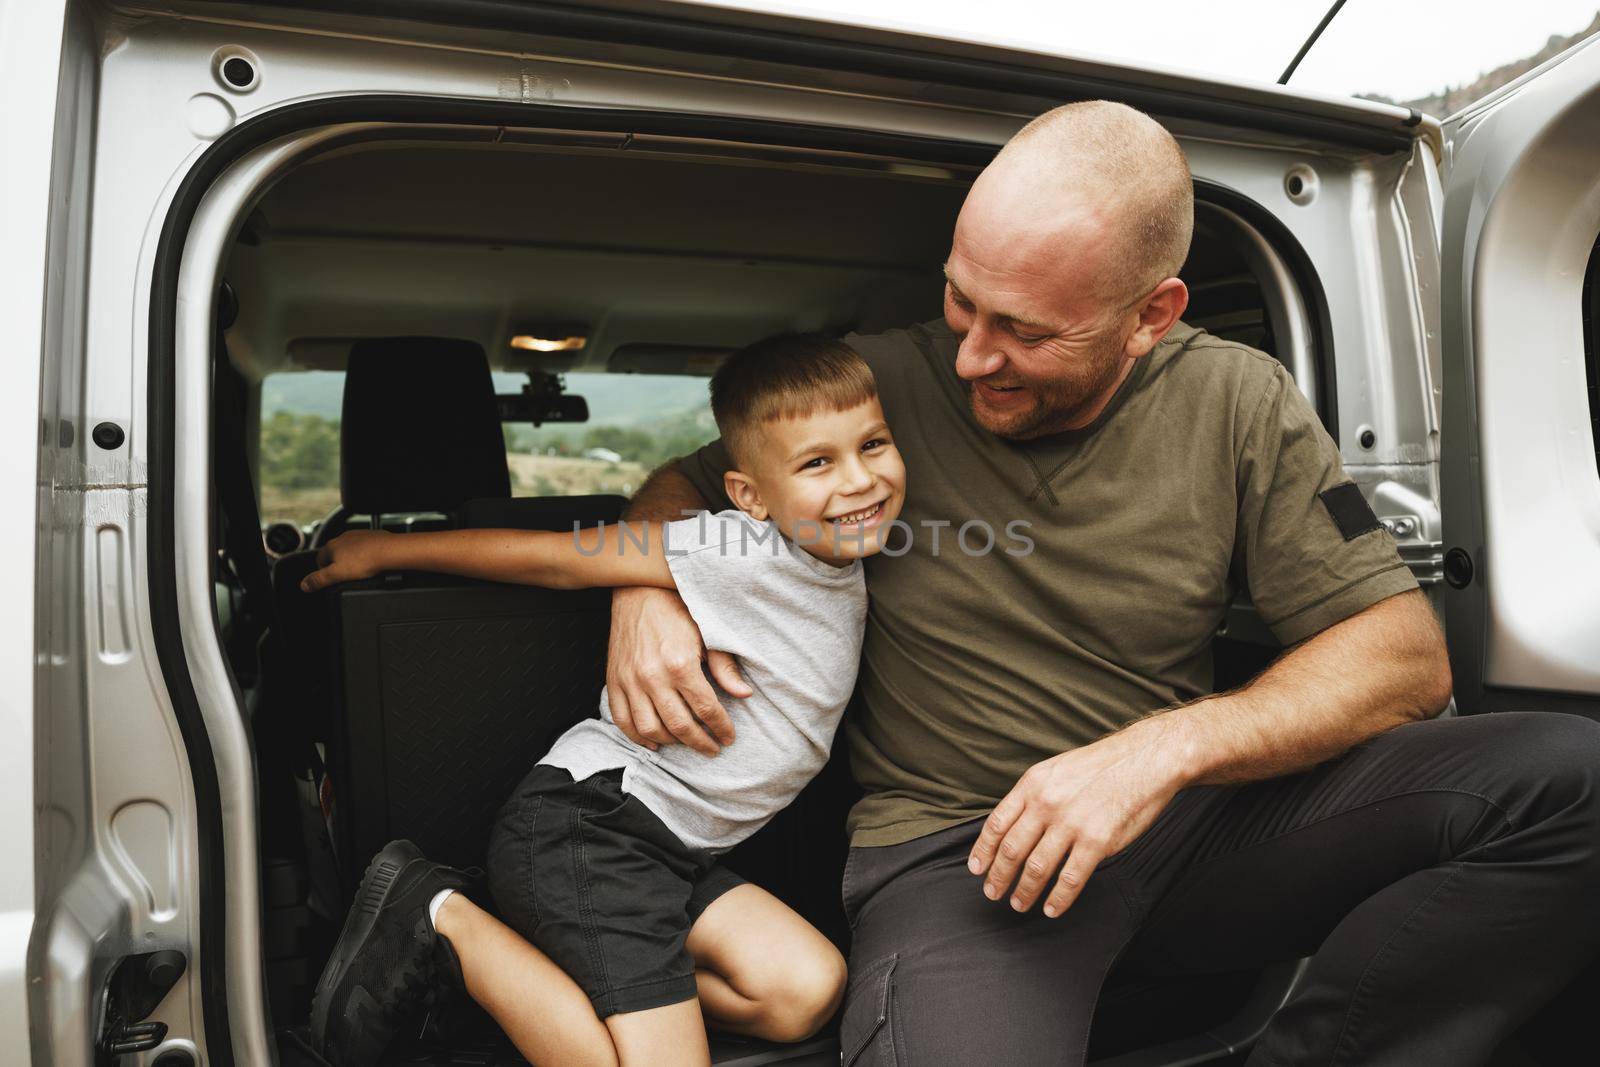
(602, 796)
(867, 1031)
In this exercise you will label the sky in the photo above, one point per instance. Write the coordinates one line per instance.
(1400, 48)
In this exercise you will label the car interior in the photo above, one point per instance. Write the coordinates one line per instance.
(467, 304)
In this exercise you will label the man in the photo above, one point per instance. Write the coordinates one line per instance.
(1028, 818)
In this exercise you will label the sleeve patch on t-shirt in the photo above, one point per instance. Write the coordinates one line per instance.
(1349, 510)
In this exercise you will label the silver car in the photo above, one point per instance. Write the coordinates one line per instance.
(209, 205)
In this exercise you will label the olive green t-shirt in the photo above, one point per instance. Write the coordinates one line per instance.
(1115, 552)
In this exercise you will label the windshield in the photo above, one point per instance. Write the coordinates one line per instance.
(1434, 55)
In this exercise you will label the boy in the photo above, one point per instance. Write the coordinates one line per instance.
(604, 858)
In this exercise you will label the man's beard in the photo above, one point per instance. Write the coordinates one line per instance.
(1059, 403)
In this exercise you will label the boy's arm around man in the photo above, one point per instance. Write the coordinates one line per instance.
(622, 554)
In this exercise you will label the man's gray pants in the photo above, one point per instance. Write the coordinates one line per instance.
(1444, 878)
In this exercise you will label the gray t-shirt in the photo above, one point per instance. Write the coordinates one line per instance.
(1116, 551)
(795, 624)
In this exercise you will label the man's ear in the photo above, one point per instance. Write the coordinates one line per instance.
(742, 490)
(1158, 313)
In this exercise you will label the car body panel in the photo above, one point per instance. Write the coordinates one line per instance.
(31, 310)
(1522, 208)
(686, 34)
(113, 809)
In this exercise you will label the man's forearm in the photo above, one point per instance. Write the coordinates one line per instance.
(1376, 670)
(666, 495)
(659, 694)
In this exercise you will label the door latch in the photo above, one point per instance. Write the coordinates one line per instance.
(136, 986)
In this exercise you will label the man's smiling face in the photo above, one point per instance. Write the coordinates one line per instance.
(1027, 377)
(1055, 288)
(1042, 340)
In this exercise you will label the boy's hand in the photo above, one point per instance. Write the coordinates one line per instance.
(349, 558)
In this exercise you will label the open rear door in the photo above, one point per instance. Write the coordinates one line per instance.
(1521, 475)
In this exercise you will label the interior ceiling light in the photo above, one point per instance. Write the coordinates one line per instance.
(550, 341)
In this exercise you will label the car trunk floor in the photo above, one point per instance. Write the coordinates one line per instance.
(486, 1048)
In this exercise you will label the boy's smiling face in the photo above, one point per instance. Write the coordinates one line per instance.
(831, 480)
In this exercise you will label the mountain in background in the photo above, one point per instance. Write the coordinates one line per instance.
(1447, 101)
(312, 392)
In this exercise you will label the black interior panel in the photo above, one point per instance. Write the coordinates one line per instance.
(450, 693)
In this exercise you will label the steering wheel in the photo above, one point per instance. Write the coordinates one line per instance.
(336, 523)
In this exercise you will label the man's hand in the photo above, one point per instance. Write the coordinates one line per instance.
(349, 558)
(1307, 707)
(1084, 806)
(657, 690)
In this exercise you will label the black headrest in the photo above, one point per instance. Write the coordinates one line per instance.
(420, 429)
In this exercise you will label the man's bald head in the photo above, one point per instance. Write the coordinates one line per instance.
(1063, 266)
(1101, 172)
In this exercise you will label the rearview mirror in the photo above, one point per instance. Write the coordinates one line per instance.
(542, 400)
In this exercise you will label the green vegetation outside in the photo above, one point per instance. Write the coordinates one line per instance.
(300, 458)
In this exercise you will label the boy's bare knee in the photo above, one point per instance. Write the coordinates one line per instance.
(801, 1001)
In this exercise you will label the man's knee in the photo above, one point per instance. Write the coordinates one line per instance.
(1538, 769)
(1557, 758)
(1509, 758)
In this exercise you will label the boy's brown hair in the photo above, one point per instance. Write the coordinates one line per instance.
(785, 377)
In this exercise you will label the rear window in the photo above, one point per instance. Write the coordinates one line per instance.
(299, 445)
(636, 422)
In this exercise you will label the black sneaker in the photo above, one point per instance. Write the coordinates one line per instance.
(381, 973)
(453, 1012)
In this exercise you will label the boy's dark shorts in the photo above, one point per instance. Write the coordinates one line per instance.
(598, 883)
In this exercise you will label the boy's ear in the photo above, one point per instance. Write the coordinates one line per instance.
(742, 490)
